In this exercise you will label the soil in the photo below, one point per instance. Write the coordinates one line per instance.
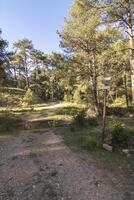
(39, 166)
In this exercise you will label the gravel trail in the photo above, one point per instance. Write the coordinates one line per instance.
(39, 166)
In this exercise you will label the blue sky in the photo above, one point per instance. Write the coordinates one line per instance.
(37, 20)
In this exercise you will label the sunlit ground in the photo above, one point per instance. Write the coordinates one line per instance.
(37, 116)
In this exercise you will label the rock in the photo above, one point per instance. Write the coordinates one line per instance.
(34, 186)
(126, 151)
(97, 184)
(108, 147)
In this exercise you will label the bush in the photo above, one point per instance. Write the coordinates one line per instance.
(77, 96)
(9, 122)
(119, 111)
(79, 119)
(72, 128)
(68, 97)
(90, 143)
(119, 138)
(30, 98)
(92, 121)
(130, 134)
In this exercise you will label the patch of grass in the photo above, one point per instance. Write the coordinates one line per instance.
(58, 117)
(36, 116)
(77, 136)
(116, 162)
(10, 122)
(69, 110)
(88, 139)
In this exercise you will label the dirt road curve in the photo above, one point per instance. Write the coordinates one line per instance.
(40, 167)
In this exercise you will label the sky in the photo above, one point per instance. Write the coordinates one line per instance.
(37, 20)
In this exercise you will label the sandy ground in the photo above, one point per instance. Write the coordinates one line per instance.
(39, 166)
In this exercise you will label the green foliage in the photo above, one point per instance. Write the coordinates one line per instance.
(79, 119)
(90, 143)
(30, 98)
(11, 90)
(68, 97)
(77, 96)
(5, 78)
(88, 137)
(119, 137)
(119, 111)
(10, 122)
(92, 121)
(10, 96)
(93, 51)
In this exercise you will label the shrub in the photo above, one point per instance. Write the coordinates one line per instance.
(9, 122)
(30, 98)
(90, 143)
(119, 138)
(79, 119)
(77, 96)
(119, 111)
(72, 128)
(92, 121)
(130, 134)
(68, 97)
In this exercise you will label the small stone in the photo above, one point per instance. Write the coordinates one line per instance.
(107, 147)
(97, 184)
(34, 186)
(126, 151)
(58, 185)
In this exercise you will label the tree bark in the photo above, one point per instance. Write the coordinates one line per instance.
(26, 71)
(126, 91)
(94, 85)
(104, 116)
(131, 44)
(15, 76)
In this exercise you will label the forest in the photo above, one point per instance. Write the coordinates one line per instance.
(84, 93)
(97, 40)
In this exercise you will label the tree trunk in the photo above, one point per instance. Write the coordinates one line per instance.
(26, 72)
(126, 91)
(131, 44)
(104, 116)
(94, 85)
(15, 76)
(37, 70)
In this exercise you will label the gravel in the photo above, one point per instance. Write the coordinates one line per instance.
(39, 166)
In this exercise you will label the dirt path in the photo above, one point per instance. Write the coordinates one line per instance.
(40, 167)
